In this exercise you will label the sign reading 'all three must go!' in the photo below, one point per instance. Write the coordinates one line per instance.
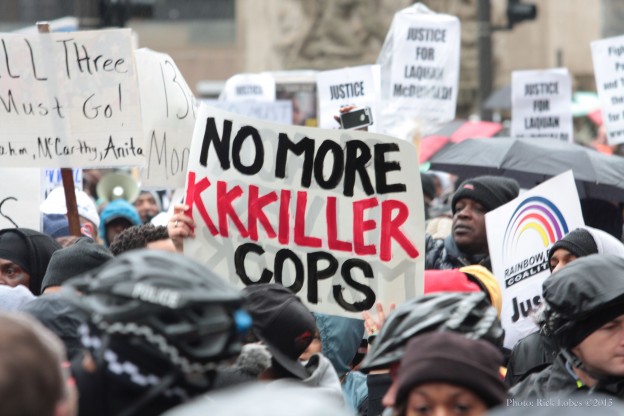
(69, 99)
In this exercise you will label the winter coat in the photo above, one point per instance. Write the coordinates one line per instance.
(530, 355)
(323, 377)
(444, 254)
(340, 340)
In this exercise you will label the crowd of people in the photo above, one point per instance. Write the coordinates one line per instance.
(119, 322)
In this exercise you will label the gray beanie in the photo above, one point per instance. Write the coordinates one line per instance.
(82, 256)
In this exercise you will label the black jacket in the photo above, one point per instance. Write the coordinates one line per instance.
(444, 254)
(531, 354)
(556, 380)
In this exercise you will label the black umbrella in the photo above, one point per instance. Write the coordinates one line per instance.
(532, 161)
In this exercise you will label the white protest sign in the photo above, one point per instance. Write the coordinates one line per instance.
(20, 197)
(336, 216)
(52, 178)
(541, 104)
(520, 233)
(280, 111)
(359, 86)
(249, 87)
(608, 59)
(168, 119)
(69, 100)
(425, 63)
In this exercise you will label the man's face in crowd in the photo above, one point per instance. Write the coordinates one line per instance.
(146, 206)
(603, 350)
(12, 275)
(469, 227)
(560, 258)
(115, 227)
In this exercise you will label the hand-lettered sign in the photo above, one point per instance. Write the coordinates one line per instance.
(69, 100)
(168, 119)
(337, 216)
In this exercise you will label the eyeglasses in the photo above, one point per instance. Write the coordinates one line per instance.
(12, 272)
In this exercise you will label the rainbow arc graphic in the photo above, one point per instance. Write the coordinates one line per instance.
(534, 214)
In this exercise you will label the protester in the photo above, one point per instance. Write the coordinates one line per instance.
(467, 243)
(537, 351)
(429, 192)
(54, 210)
(158, 325)
(147, 205)
(585, 317)
(143, 236)
(442, 372)
(54, 310)
(24, 257)
(340, 339)
(284, 324)
(116, 217)
(467, 313)
(32, 379)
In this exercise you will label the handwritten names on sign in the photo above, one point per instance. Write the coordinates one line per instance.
(69, 99)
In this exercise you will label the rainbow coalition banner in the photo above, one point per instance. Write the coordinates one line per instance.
(336, 216)
(520, 233)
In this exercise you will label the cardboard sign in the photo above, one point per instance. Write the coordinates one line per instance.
(608, 59)
(69, 100)
(425, 64)
(541, 104)
(520, 233)
(20, 197)
(280, 111)
(359, 86)
(168, 119)
(249, 87)
(335, 216)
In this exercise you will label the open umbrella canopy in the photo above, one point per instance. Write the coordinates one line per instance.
(532, 161)
(455, 131)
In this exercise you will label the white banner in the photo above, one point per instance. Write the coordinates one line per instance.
(520, 233)
(608, 59)
(336, 216)
(359, 86)
(280, 111)
(69, 100)
(168, 119)
(20, 198)
(425, 64)
(542, 104)
(249, 87)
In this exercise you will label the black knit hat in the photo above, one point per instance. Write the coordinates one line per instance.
(489, 191)
(578, 242)
(81, 257)
(283, 323)
(449, 357)
(29, 249)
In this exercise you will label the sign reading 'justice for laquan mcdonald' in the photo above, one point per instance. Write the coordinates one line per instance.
(69, 100)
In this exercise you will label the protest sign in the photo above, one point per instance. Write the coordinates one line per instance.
(249, 87)
(280, 111)
(357, 86)
(20, 198)
(425, 63)
(336, 216)
(168, 119)
(51, 178)
(541, 104)
(520, 233)
(607, 57)
(69, 100)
